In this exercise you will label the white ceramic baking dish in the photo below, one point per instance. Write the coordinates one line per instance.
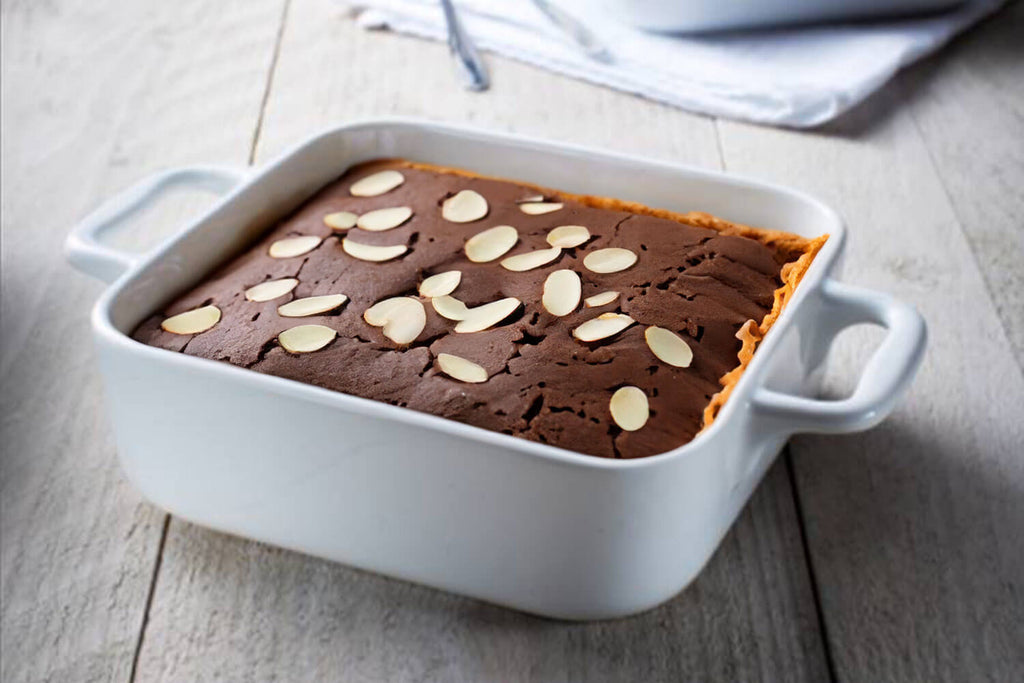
(434, 501)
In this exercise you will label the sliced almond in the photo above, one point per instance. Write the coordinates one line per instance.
(629, 408)
(306, 338)
(340, 220)
(669, 347)
(488, 315)
(381, 312)
(294, 246)
(380, 220)
(603, 326)
(265, 291)
(491, 244)
(311, 305)
(465, 207)
(371, 252)
(538, 208)
(602, 299)
(461, 369)
(402, 318)
(406, 322)
(440, 284)
(532, 199)
(610, 260)
(376, 184)
(561, 292)
(531, 260)
(192, 322)
(449, 307)
(568, 236)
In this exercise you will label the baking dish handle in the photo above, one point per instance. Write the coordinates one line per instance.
(887, 375)
(88, 254)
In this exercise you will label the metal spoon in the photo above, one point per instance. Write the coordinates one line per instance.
(471, 67)
(576, 30)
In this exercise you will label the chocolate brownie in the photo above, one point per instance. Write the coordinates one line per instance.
(610, 336)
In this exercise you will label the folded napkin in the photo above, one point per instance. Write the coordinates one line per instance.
(793, 77)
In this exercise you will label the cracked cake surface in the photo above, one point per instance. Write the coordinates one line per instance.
(710, 287)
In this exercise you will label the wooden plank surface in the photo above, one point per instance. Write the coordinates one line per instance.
(968, 104)
(913, 527)
(232, 609)
(95, 95)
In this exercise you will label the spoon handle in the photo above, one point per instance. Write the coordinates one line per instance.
(471, 68)
(576, 30)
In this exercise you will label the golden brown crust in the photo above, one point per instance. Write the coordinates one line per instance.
(751, 334)
(796, 253)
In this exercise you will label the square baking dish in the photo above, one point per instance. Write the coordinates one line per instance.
(437, 502)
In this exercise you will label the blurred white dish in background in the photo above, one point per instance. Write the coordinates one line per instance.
(717, 15)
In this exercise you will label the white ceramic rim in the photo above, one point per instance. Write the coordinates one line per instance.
(104, 328)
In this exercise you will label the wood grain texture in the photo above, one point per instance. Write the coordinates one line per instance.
(226, 609)
(95, 95)
(968, 104)
(913, 527)
(233, 610)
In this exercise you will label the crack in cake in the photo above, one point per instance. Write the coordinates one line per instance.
(593, 324)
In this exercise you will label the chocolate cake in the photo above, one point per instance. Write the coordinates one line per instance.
(588, 323)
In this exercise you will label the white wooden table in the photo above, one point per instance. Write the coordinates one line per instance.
(894, 555)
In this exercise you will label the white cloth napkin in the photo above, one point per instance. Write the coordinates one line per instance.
(796, 77)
